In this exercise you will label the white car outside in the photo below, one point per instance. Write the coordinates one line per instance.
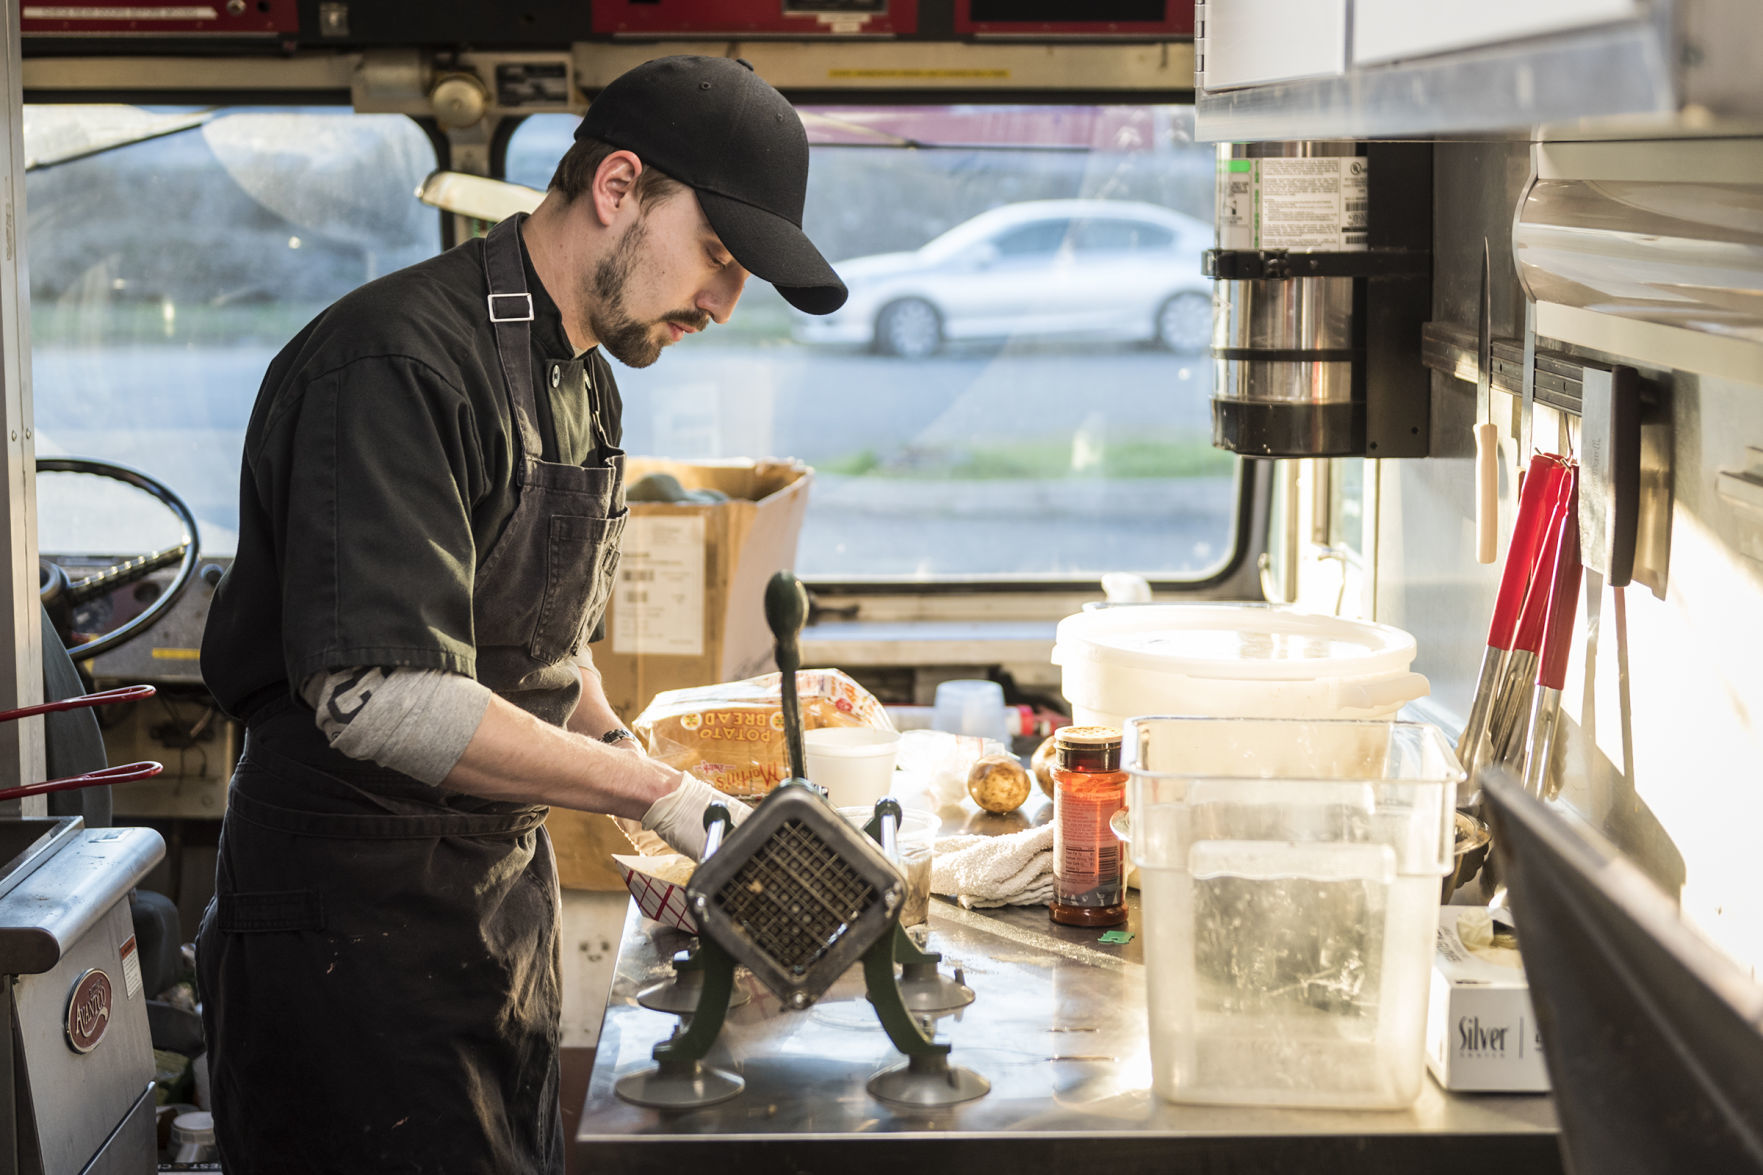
(1108, 270)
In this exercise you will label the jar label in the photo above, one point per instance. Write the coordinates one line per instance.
(1087, 863)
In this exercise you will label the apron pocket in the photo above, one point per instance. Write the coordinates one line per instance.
(580, 558)
(269, 913)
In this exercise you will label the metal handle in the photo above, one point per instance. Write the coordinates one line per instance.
(127, 773)
(717, 823)
(786, 611)
(887, 819)
(127, 693)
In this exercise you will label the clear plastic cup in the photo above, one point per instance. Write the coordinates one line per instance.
(971, 706)
(916, 841)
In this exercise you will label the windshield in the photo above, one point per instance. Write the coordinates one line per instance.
(172, 253)
(1018, 387)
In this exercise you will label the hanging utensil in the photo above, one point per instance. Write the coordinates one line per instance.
(1557, 643)
(1535, 502)
(1510, 721)
(1487, 436)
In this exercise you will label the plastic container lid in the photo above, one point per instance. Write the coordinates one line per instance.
(197, 1126)
(918, 829)
(1264, 642)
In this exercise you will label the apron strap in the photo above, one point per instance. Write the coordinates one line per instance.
(511, 317)
(390, 826)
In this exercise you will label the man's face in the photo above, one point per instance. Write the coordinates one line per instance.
(667, 276)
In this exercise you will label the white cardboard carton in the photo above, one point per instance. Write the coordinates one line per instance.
(1481, 1034)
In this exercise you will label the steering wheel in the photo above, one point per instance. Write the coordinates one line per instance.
(61, 595)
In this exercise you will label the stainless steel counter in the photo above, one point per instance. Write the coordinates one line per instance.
(1058, 1028)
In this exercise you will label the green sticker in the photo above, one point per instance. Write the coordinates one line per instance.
(1116, 936)
(1239, 165)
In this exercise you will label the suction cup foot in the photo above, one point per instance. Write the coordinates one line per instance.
(925, 989)
(928, 1081)
(679, 995)
(680, 1089)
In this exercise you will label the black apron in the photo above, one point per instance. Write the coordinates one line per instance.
(379, 966)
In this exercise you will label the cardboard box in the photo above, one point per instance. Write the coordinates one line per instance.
(688, 609)
(584, 844)
(689, 605)
(1481, 1034)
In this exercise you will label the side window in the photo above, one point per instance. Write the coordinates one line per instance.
(1042, 239)
(1119, 236)
(172, 254)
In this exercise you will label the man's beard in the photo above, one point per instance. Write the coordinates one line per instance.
(627, 340)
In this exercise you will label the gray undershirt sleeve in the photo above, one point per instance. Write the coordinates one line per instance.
(417, 721)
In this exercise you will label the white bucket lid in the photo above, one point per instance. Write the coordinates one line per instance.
(1260, 642)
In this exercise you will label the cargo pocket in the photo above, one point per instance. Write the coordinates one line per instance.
(269, 913)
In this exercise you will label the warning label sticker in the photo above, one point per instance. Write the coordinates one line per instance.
(1300, 204)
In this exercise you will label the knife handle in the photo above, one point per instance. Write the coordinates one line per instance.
(1487, 492)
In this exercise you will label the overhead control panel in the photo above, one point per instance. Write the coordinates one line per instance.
(766, 18)
(535, 24)
(1073, 18)
(131, 18)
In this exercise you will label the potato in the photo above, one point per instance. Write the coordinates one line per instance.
(1046, 757)
(998, 783)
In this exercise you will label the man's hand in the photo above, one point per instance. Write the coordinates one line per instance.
(678, 816)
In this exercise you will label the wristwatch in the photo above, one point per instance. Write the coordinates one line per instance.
(617, 734)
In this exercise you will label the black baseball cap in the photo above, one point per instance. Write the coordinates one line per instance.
(718, 127)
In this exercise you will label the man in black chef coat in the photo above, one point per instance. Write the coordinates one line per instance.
(430, 509)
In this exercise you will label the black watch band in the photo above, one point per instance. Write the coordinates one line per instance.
(617, 734)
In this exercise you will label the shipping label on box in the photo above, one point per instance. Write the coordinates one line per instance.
(658, 602)
(1481, 1032)
(689, 605)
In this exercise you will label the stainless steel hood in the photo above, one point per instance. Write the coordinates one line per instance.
(1647, 250)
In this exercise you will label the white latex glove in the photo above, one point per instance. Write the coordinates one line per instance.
(678, 816)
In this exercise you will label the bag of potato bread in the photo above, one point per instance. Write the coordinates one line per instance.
(732, 735)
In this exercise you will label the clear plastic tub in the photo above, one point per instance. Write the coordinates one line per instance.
(1289, 879)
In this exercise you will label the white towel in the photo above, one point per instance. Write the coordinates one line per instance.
(981, 871)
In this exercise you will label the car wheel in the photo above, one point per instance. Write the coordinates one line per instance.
(910, 329)
(1184, 323)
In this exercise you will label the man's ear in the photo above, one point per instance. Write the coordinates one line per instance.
(614, 181)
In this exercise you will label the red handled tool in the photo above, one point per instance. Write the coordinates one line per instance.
(1545, 706)
(124, 774)
(1535, 505)
(1509, 723)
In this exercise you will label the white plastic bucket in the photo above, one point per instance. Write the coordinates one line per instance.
(1231, 661)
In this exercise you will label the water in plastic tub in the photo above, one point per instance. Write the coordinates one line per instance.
(1289, 873)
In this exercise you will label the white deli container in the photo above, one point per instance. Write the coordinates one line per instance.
(1289, 882)
(1231, 660)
